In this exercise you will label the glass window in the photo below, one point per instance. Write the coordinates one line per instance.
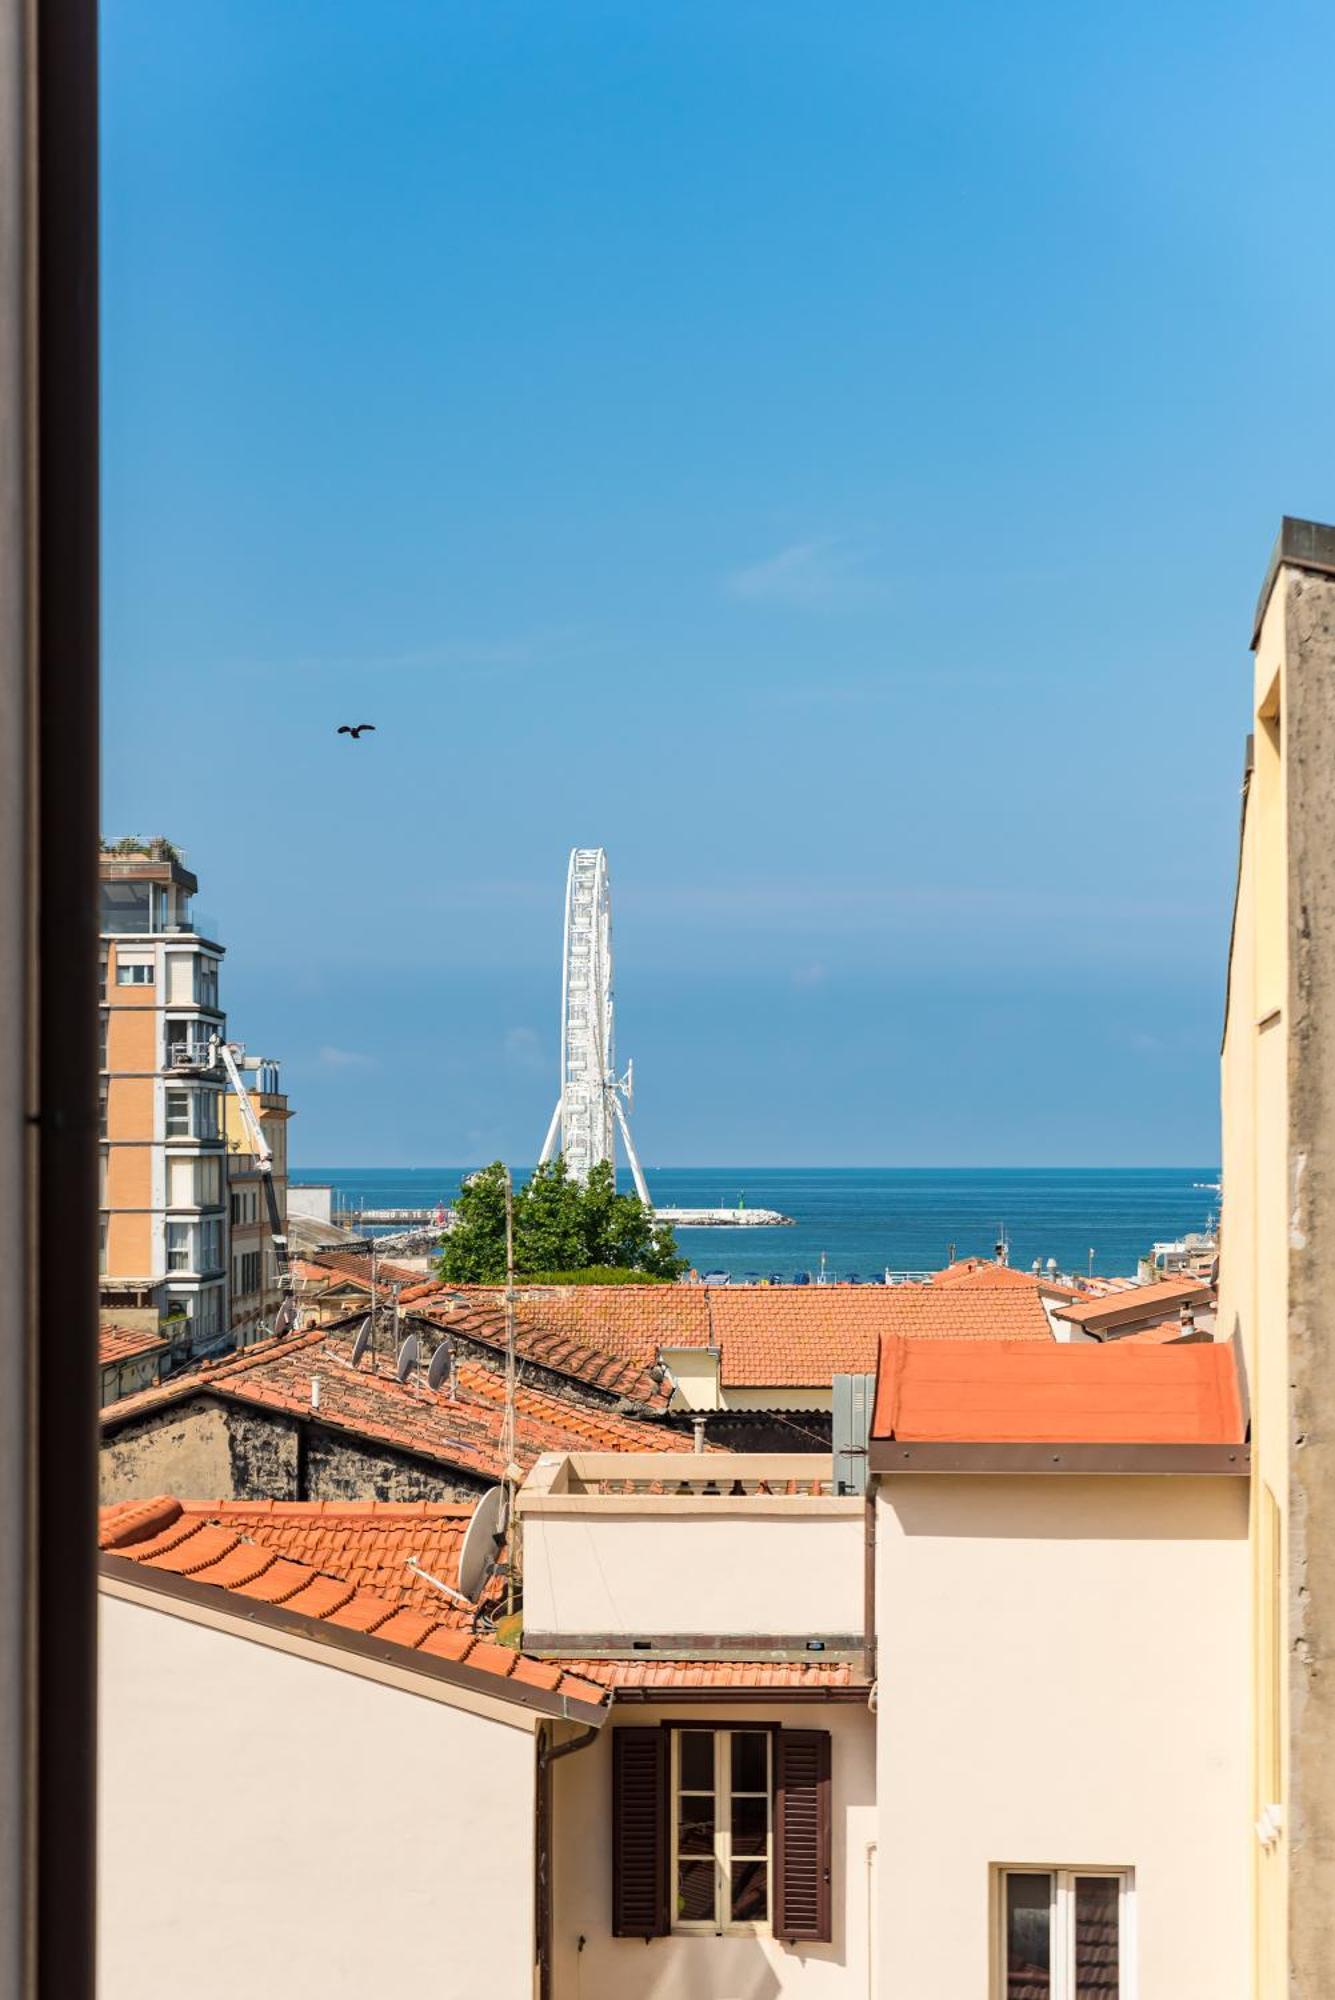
(136, 973)
(178, 1246)
(721, 1828)
(178, 1114)
(1062, 1934)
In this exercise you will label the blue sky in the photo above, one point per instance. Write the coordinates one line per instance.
(827, 456)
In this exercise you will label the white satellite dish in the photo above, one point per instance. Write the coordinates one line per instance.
(482, 1542)
(409, 1355)
(362, 1342)
(441, 1363)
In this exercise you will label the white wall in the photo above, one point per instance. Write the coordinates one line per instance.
(692, 1567)
(272, 1825)
(709, 1968)
(1063, 1681)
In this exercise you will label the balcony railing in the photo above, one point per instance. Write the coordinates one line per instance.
(193, 1056)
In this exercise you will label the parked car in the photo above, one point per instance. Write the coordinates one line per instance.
(801, 1277)
(717, 1278)
(777, 1278)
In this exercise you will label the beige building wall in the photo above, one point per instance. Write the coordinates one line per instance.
(713, 1968)
(1063, 1682)
(274, 1825)
(1277, 1256)
(694, 1566)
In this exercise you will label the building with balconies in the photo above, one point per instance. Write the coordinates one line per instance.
(163, 1203)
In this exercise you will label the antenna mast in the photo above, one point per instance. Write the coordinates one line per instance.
(508, 1423)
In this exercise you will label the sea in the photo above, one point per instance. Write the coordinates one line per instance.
(860, 1222)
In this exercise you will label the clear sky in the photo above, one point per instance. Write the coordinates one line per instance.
(826, 455)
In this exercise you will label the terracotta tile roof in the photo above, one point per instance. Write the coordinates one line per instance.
(1135, 1302)
(1162, 1334)
(561, 1352)
(161, 1535)
(368, 1542)
(762, 1675)
(791, 1336)
(962, 1392)
(357, 1264)
(462, 1431)
(125, 1343)
(983, 1272)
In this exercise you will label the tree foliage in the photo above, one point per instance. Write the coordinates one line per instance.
(558, 1226)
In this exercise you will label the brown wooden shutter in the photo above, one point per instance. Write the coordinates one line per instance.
(639, 1832)
(802, 1835)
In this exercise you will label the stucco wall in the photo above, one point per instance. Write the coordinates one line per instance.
(273, 1825)
(710, 1968)
(703, 1567)
(1063, 1681)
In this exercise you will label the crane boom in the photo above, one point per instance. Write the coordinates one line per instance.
(226, 1054)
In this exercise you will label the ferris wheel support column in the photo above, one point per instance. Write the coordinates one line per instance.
(637, 1172)
(549, 1143)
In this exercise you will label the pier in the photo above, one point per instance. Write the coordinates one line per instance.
(724, 1218)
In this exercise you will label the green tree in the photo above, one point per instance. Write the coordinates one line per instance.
(559, 1226)
(473, 1252)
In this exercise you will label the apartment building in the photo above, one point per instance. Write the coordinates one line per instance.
(252, 1266)
(163, 1207)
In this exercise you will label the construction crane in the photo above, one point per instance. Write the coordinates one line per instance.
(226, 1053)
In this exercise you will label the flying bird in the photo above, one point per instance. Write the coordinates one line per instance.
(354, 729)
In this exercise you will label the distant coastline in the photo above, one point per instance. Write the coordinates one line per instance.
(865, 1219)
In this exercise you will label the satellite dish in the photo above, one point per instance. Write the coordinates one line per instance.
(441, 1362)
(482, 1542)
(362, 1342)
(409, 1356)
(285, 1317)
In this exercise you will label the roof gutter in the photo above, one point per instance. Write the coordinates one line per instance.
(890, 1455)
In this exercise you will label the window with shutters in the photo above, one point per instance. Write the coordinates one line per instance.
(1065, 1934)
(721, 1826)
(719, 1829)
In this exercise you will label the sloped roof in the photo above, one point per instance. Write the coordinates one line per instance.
(563, 1353)
(127, 1343)
(790, 1336)
(367, 1542)
(462, 1430)
(163, 1538)
(1012, 1392)
(1136, 1302)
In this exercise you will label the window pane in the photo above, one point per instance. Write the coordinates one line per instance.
(1028, 1937)
(1097, 1974)
(750, 1825)
(695, 1823)
(750, 1892)
(695, 1892)
(750, 1760)
(697, 1760)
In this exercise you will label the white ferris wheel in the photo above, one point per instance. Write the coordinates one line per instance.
(594, 1099)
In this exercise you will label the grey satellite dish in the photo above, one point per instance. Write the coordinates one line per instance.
(482, 1541)
(362, 1342)
(285, 1318)
(409, 1355)
(441, 1362)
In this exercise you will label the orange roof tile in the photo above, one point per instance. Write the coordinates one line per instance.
(962, 1392)
(368, 1541)
(187, 1545)
(463, 1429)
(1135, 1302)
(483, 1322)
(669, 1676)
(125, 1343)
(791, 1336)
